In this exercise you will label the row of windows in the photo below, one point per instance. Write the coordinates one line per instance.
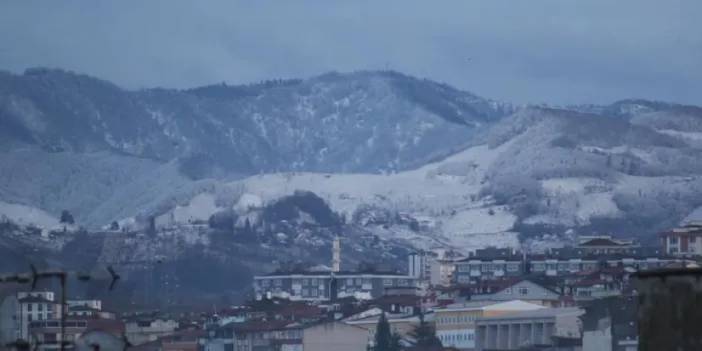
(39, 317)
(447, 339)
(455, 319)
(39, 306)
(489, 267)
(348, 282)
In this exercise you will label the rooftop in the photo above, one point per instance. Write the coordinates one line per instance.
(35, 299)
(537, 313)
(340, 274)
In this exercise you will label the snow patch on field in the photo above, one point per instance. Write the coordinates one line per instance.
(442, 196)
(26, 215)
(200, 208)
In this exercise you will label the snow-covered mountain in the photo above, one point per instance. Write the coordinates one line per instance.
(405, 158)
(69, 141)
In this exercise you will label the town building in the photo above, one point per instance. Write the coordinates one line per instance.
(490, 263)
(419, 265)
(570, 260)
(455, 324)
(683, 241)
(604, 244)
(33, 306)
(524, 290)
(517, 331)
(441, 272)
(46, 334)
(343, 337)
(143, 329)
(322, 286)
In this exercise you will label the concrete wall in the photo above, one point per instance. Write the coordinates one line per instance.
(597, 340)
(342, 336)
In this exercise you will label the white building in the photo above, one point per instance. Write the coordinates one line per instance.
(515, 331)
(35, 306)
(455, 324)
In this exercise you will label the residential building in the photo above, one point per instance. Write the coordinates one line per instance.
(419, 265)
(524, 290)
(455, 324)
(605, 244)
(185, 340)
(46, 334)
(441, 272)
(320, 286)
(569, 260)
(143, 330)
(35, 306)
(87, 308)
(683, 241)
(490, 263)
(266, 335)
(516, 331)
(343, 337)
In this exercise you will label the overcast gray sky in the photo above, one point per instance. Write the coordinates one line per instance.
(559, 51)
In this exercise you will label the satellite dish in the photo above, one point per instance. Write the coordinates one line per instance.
(99, 341)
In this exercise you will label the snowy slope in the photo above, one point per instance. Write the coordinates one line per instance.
(26, 215)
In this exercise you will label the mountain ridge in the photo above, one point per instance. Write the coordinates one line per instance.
(162, 146)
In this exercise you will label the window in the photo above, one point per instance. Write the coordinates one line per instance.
(278, 282)
(523, 290)
(30, 306)
(40, 306)
(692, 239)
(314, 281)
(265, 282)
(387, 282)
(673, 240)
(349, 281)
(305, 281)
(513, 267)
(359, 281)
(538, 267)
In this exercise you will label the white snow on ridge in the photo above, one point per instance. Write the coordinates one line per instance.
(201, 207)
(695, 136)
(27, 215)
(445, 193)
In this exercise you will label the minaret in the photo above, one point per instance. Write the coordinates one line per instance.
(336, 255)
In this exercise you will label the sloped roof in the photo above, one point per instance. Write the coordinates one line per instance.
(538, 313)
(514, 305)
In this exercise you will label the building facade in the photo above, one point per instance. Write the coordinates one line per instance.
(683, 241)
(455, 324)
(344, 337)
(311, 286)
(523, 290)
(490, 263)
(520, 330)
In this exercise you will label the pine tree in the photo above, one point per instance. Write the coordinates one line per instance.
(66, 217)
(424, 334)
(385, 340)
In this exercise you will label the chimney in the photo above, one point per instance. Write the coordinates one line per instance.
(336, 255)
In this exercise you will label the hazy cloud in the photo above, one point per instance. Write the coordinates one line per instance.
(556, 51)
